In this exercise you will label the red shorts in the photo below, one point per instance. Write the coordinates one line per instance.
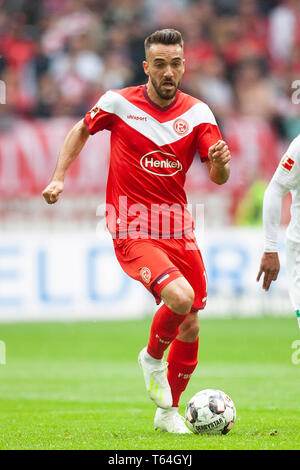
(156, 262)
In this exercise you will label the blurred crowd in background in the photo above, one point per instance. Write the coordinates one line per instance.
(57, 57)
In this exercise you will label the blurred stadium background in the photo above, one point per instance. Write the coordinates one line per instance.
(56, 59)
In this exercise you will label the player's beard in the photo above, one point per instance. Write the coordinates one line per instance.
(165, 94)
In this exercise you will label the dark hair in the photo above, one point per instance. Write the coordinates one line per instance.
(163, 36)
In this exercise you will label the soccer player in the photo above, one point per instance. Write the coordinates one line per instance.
(286, 178)
(156, 130)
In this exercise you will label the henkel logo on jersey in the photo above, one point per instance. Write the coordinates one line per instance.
(161, 163)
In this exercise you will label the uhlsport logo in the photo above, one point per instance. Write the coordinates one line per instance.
(137, 118)
(161, 163)
(180, 126)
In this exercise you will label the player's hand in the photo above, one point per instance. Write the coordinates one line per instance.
(270, 266)
(52, 191)
(219, 154)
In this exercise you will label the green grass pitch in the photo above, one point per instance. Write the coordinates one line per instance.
(79, 386)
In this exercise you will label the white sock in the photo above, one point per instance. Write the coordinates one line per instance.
(169, 411)
(152, 360)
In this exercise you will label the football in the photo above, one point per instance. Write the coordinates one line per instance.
(210, 412)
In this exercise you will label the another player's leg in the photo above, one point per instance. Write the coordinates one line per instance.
(293, 273)
(178, 297)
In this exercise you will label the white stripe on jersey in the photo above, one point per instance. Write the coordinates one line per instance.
(161, 133)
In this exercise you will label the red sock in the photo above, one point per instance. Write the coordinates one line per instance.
(182, 360)
(164, 329)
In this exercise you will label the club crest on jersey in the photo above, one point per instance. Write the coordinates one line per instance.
(180, 126)
(145, 274)
(287, 163)
(161, 163)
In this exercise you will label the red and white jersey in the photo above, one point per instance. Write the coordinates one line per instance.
(152, 148)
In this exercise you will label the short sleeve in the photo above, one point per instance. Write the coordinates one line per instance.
(101, 116)
(288, 170)
(208, 134)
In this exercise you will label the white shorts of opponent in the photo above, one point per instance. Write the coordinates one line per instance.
(293, 274)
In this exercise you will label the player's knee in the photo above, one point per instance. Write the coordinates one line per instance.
(182, 300)
(179, 296)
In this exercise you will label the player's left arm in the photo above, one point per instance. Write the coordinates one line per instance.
(218, 162)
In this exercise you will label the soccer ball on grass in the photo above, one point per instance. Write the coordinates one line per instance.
(210, 412)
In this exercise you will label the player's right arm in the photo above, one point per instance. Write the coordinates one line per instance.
(98, 118)
(71, 148)
(284, 179)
